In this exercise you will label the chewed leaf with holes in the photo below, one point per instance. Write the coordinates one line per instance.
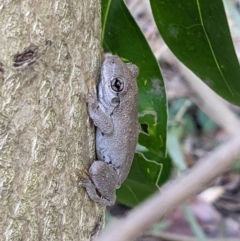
(151, 167)
(197, 33)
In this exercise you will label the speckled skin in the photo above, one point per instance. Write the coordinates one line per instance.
(114, 114)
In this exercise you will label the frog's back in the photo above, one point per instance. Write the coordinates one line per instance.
(118, 148)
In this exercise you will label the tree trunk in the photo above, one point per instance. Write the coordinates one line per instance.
(50, 56)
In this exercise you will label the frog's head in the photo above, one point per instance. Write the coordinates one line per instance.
(117, 78)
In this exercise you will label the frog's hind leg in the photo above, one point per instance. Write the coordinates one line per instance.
(101, 183)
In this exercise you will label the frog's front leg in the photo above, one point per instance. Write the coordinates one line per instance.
(100, 119)
(101, 183)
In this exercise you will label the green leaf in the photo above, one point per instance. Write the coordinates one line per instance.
(176, 152)
(144, 179)
(122, 36)
(194, 225)
(197, 32)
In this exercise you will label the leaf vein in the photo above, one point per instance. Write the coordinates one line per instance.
(211, 48)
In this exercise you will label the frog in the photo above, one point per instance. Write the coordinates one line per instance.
(114, 112)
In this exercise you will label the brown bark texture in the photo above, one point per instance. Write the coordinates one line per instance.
(50, 56)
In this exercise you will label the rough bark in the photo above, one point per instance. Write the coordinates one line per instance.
(50, 56)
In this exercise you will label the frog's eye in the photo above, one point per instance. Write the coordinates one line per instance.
(117, 85)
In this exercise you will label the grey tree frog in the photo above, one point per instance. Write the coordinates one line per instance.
(115, 115)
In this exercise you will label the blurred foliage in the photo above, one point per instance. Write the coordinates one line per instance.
(185, 113)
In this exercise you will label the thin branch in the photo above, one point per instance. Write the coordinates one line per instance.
(179, 237)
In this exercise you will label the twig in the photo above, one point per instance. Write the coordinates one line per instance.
(179, 237)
